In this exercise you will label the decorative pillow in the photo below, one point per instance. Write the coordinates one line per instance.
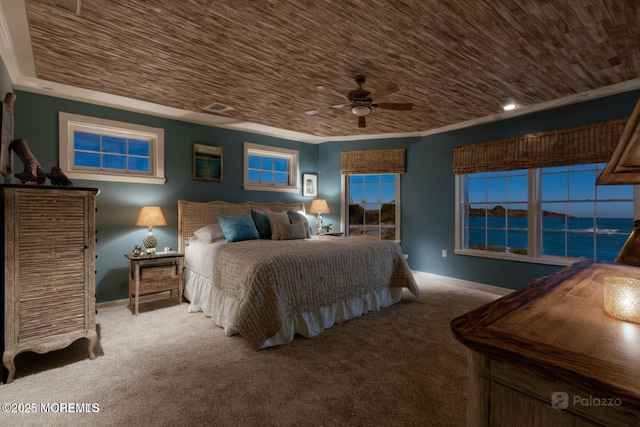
(292, 231)
(276, 218)
(298, 218)
(209, 233)
(238, 228)
(262, 223)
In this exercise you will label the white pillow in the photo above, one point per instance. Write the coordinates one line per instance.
(209, 233)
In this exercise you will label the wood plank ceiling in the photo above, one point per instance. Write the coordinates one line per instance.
(456, 60)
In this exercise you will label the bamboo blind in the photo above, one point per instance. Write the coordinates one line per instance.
(373, 161)
(592, 143)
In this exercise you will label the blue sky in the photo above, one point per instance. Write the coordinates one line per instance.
(570, 190)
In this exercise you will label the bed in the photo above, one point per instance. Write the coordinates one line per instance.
(269, 290)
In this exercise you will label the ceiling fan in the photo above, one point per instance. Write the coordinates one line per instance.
(360, 101)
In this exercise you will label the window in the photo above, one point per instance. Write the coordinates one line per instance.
(270, 168)
(373, 208)
(552, 214)
(106, 150)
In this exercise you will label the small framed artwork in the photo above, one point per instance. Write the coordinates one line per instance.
(6, 159)
(309, 184)
(207, 162)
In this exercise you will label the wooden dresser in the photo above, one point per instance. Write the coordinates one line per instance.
(49, 269)
(548, 354)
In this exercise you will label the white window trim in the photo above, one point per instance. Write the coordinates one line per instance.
(344, 206)
(69, 122)
(266, 150)
(533, 224)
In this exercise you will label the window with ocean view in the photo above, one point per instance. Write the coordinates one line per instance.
(373, 209)
(554, 212)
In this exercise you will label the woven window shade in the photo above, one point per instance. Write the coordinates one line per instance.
(373, 161)
(592, 143)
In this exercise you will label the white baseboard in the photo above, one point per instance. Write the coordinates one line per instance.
(125, 302)
(464, 283)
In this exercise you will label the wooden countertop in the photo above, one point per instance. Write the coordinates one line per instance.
(557, 326)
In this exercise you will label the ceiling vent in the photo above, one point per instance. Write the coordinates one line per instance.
(70, 5)
(217, 108)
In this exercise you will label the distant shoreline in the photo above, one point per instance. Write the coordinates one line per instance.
(499, 211)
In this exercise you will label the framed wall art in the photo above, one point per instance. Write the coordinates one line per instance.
(6, 159)
(309, 184)
(207, 162)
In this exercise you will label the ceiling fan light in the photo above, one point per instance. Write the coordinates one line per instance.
(360, 110)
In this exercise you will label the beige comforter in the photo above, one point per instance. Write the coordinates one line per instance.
(273, 279)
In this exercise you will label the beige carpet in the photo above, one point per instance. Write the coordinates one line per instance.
(400, 366)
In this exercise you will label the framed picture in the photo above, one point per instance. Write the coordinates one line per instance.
(309, 184)
(207, 162)
(6, 159)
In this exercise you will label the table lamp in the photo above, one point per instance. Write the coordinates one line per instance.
(622, 298)
(319, 206)
(150, 216)
(630, 252)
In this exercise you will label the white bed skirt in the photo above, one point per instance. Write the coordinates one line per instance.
(223, 309)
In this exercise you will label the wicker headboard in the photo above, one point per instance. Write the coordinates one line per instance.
(193, 215)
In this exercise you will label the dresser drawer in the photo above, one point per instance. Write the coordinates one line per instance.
(156, 278)
(157, 286)
(154, 273)
(158, 272)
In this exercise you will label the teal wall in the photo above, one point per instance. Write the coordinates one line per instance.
(428, 204)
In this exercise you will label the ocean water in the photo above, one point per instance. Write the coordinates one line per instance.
(573, 237)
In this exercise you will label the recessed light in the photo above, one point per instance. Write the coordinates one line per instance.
(510, 106)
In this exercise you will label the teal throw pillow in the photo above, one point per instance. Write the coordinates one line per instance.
(238, 228)
(261, 220)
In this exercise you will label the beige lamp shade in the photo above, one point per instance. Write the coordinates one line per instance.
(151, 216)
(319, 206)
(622, 298)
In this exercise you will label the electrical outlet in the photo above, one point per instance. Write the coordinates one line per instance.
(444, 253)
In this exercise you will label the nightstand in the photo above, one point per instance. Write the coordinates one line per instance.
(150, 274)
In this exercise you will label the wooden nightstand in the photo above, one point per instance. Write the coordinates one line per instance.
(150, 274)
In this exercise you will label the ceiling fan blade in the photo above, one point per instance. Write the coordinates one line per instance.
(394, 105)
(324, 110)
(362, 122)
(330, 91)
(387, 90)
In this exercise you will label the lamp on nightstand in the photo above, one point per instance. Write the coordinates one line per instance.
(150, 216)
(319, 206)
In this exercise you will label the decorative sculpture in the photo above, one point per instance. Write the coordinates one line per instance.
(58, 178)
(33, 173)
